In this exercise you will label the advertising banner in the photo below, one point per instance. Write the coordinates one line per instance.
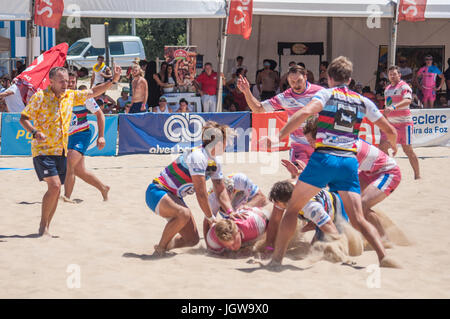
(151, 133)
(268, 124)
(16, 140)
(184, 62)
(431, 128)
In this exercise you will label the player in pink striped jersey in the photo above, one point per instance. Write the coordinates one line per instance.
(230, 234)
(291, 100)
(379, 175)
(398, 97)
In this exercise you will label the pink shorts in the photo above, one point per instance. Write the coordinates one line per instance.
(404, 133)
(300, 152)
(386, 182)
(428, 95)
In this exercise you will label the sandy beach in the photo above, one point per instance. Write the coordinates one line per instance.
(109, 243)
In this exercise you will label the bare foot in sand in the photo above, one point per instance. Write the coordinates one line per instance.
(159, 251)
(105, 193)
(67, 199)
(389, 262)
(273, 266)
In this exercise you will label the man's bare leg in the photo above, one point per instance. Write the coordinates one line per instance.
(91, 179)
(412, 159)
(301, 195)
(49, 203)
(353, 207)
(173, 208)
(188, 236)
(370, 197)
(73, 158)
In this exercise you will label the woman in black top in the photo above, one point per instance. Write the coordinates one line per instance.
(154, 90)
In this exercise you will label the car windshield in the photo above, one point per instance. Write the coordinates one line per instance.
(77, 48)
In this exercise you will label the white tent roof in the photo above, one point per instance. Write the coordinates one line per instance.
(15, 10)
(147, 8)
(20, 9)
(322, 8)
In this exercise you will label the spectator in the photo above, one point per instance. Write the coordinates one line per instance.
(162, 106)
(100, 72)
(442, 102)
(83, 72)
(106, 103)
(358, 88)
(380, 92)
(154, 90)
(309, 74)
(352, 85)
(416, 103)
(20, 67)
(170, 79)
(366, 92)
(139, 96)
(284, 85)
(426, 76)
(233, 107)
(267, 81)
(206, 84)
(124, 101)
(183, 106)
(12, 97)
(239, 64)
(143, 64)
(323, 72)
(447, 80)
(238, 96)
(405, 71)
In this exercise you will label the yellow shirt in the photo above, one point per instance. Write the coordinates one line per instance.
(52, 116)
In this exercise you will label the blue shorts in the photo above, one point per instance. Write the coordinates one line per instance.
(339, 173)
(80, 141)
(48, 166)
(153, 196)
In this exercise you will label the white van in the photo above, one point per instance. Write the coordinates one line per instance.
(123, 49)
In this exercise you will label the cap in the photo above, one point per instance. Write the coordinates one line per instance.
(162, 99)
(125, 90)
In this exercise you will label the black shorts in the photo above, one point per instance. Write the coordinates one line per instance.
(48, 166)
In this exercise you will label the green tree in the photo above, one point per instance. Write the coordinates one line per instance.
(155, 33)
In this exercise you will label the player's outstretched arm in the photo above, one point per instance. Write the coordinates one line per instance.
(312, 108)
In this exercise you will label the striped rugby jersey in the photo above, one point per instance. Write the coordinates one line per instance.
(244, 191)
(177, 177)
(340, 119)
(79, 122)
(322, 208)
(292, 102)
(372, 161)
(395, 94)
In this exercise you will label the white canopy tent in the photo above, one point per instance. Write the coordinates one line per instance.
(15, 10)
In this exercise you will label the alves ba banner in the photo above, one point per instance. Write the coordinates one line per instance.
(173, 133)
(17, 142)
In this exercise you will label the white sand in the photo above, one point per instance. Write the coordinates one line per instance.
(95, 235)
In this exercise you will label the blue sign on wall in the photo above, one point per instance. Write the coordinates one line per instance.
(17, 141)
(171, 133)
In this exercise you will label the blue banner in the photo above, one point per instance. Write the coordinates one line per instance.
(15, 140)
(172, 133)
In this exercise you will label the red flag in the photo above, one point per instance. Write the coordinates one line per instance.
(412, 10)
(35, 77)
(48, 13)
(240, 19)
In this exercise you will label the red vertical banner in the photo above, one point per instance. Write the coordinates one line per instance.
(48, 13)
(240, 19)
(412, 10)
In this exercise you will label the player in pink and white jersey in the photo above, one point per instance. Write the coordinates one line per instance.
(291, 100)
(398, 97)
(379, 175)
(230, 234)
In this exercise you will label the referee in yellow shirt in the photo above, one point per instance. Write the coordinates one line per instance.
(51, 113)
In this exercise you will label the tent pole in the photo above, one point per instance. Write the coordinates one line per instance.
(223, 47)
(393, 39)
(30, 35)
